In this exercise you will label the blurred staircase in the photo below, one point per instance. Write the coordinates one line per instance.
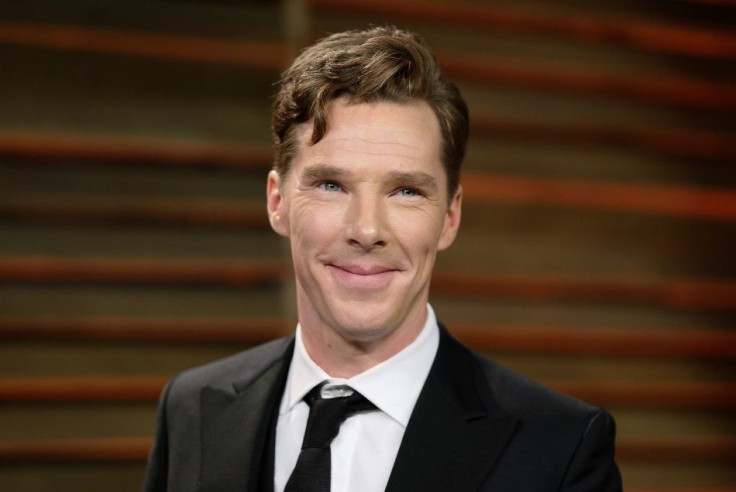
(596, 253)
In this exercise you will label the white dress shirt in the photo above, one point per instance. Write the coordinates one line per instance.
(364, 451)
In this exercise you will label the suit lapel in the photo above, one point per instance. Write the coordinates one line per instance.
(456, 431)
(235, 427)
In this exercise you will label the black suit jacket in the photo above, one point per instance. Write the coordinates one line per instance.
(476, 426)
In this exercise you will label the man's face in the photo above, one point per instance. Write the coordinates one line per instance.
(366, 210)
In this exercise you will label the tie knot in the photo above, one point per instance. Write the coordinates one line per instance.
(326, 415)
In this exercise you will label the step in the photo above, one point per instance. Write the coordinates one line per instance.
(698, 343)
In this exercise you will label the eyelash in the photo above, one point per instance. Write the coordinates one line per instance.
(328, 185)
(412, 191)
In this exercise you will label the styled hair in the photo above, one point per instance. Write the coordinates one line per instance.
(373, 65)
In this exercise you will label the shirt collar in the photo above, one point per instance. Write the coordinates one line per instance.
(393, 385)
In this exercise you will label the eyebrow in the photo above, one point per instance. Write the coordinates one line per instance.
(326, 172)
(415, 179)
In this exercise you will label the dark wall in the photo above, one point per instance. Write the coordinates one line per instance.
(598, 238)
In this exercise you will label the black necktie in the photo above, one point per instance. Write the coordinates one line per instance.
(312, 470)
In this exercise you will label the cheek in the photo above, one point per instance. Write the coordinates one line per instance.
(313, 226)
(418, 231)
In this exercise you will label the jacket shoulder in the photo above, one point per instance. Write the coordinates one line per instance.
(569, 444)
(522, 396)
(240, 368)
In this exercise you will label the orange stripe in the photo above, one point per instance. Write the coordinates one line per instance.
(674, 92)
(550, 339)
(681, 293)
(110, 209)
(257, 54)
(160, 150)
(686, 143)
(620, 342)
(678, 201)
(675, 449)
(673, 293)
(105, 450)
(111, 328)
(631, 394)
(646, 36)
(686, 93)
(126, 270)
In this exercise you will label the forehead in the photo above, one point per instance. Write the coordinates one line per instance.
(404, 135)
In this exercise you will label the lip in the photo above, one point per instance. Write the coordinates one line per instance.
(372, 277)
(364, 270)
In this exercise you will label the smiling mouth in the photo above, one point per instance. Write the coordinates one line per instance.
(364, 271)
(364, 277)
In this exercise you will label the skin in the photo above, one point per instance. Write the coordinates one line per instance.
(366, 210)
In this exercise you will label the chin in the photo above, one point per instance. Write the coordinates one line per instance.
(361, 336)
(366, 325)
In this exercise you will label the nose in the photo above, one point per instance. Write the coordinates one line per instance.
(366, 222)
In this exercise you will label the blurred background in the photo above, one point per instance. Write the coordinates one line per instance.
(597, 253)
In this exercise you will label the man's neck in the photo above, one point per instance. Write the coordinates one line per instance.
(344, 358)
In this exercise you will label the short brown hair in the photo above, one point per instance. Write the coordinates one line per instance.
(378, 64)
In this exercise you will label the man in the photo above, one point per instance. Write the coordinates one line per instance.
(369, 141)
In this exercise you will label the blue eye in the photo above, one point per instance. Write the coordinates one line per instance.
(408, 192)
(330, 186)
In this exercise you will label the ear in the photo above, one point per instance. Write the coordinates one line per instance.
(452, 220)
(276, 205)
